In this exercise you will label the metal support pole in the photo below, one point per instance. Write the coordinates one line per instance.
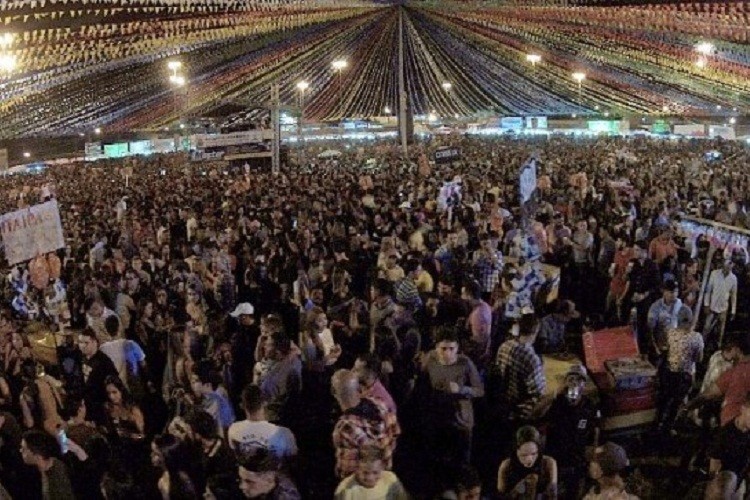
(402, 85)
(276, 123)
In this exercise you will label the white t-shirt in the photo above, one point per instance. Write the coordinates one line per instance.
(126, 356)
(247, 436)
(387, 488)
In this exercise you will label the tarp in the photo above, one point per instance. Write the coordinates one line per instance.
(31, 231)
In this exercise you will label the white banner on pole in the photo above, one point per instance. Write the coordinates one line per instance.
(528, 180)
(32, 231)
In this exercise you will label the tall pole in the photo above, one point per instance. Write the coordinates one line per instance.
(402, 85)
(276, 123)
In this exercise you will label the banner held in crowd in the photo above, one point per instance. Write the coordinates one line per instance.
(31, 231)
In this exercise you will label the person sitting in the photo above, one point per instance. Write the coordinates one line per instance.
(605, 465)
(527, 473)
(370, 481)
(552, 328)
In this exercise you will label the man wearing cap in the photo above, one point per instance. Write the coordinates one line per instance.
(551, 338)
(662, 316)
(684, 351)
(643, 283)
(573, 425)
(244, 338)
(605, 465)
(720, 299)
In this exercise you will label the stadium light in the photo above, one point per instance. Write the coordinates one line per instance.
(533, 59)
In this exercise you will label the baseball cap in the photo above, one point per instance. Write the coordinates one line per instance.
(611, 458)
(243, 309)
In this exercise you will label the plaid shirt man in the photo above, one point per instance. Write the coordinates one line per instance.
(368, 424)
(407, 293)
(487, 270)
(522, 373)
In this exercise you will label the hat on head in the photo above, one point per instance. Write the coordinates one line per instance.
(670, 285)
(578, 371)
(611, 458)
(243, 309)
(684, 317)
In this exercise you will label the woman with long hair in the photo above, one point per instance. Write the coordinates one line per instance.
(527, 473)
(124, 416)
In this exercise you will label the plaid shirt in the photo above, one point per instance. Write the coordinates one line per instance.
(368, 424)
(487, 272)
(407, 293)
(523, 376)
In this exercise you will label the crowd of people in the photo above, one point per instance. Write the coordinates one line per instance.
(366, 329)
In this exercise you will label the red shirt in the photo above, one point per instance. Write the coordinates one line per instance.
(622, 257)
(734, 384)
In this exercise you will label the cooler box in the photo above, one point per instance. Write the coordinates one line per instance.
(630, 373)
(626, 382)
(620, 402)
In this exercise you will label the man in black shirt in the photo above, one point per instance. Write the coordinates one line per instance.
(730, 450)
(573, 425)
(97, 366)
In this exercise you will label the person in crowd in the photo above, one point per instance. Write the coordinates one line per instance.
(96, 314)
(450, 383)
(42, 451)
(405, 289)
(208, 396)
(364, 421)
(124, 417)
(521, 371)
(478, 325)
(733, 386)
(244, 336)
(527, 473)
(255, 432)
(97, 366)
(281, 381)
(41, 399)
(553, 327)
(260, 476)
(684, 352)
(371, 480)
(367, 367)
(720, 300)
(180, 476)
(466, 485)
(606, 465)
(574, 424)
(730, 450)
(643, 283)
(218, 460)
(662, 317)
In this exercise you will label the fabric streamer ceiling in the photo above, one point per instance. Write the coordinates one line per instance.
(82, 64)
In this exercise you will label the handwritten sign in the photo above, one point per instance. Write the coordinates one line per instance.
(31, 231)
